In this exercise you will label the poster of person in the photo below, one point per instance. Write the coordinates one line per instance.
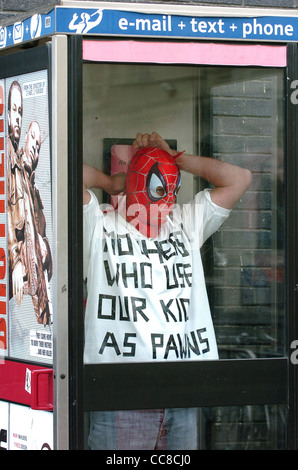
(3, 244)
(29, 217)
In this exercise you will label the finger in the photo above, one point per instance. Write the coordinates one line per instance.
(17, 296)
(145, 139)
(157, 141)
(15, 288)
(18, 293)
(155, 138)
(138, 141)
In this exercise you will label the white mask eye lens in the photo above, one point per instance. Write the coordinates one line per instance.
(156, 189)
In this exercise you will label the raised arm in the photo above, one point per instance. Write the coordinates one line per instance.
(230, 181)
(94, 178)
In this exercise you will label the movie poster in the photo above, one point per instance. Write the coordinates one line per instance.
(3, 232)
(29, 218)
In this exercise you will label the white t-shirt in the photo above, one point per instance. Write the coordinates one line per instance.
(147, 298)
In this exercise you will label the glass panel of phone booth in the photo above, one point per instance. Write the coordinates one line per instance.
(228, 113)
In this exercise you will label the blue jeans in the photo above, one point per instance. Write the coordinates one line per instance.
(169, 429)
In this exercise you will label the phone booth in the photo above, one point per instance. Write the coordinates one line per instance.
(77, 83)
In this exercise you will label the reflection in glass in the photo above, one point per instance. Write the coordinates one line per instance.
(235, 115)
(258, 427)
(246, 279)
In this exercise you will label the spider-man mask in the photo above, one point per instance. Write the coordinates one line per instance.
(153, 181)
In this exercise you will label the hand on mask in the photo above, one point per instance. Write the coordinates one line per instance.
(153, 140)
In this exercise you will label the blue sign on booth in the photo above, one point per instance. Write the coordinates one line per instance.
(108, 22)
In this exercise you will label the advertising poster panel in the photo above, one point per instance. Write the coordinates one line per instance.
(4, 425)
(29, 218)
(3, 244)
(30, 429)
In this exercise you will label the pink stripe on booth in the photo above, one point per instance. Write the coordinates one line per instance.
(184, 53)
